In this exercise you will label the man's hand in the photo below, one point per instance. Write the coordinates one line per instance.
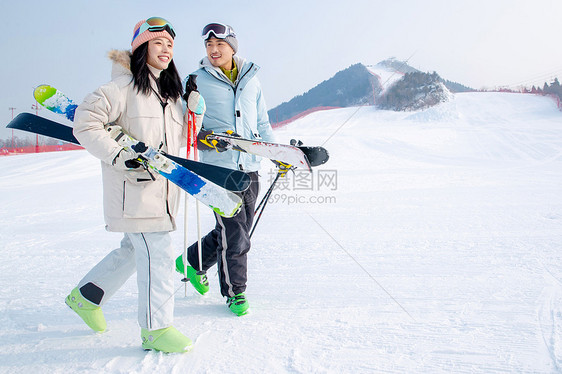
(204, 143)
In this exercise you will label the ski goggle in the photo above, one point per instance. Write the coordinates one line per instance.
(220, 30)
(155, 24)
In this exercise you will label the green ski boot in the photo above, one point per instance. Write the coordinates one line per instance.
(199, 282)
(238, 304)
(168, 340)
(88, 311)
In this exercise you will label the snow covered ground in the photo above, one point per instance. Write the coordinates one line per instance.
(430, 243)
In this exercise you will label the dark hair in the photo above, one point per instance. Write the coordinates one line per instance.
(169, 82)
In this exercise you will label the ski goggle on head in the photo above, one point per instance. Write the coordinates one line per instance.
(155, 24)
(220, 30)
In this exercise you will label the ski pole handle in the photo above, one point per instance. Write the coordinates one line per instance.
(191, 84)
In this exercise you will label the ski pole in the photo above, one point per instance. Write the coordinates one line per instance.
(185, 223)
(184, 255)
(186, 205)
(191, 85)
(196, 158)
(265, 200)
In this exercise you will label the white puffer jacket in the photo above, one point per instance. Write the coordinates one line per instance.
(133, 202)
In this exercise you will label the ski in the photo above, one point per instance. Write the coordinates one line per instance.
(298, 156)
(233, 180)
(55, 101)
(221, 201)
(316, 155)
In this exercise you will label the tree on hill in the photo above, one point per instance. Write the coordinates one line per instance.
(552, 89)
(415, 91)
(457, 87)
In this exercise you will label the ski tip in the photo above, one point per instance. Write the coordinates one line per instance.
(227, 214)
(43, 92)
(316, 155)
(24, 118)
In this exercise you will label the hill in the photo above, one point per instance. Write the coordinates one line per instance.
(370, 85)
(349, 87)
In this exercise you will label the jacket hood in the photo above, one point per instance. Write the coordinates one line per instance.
(121, 62)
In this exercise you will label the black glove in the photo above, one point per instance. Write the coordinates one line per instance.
(128, 159)
(190, 86)
(233, 134)
(206, 144)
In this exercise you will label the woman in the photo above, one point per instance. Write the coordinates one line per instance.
(144, 98)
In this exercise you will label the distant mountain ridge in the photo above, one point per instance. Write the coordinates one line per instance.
(352, 86)
(370, 85)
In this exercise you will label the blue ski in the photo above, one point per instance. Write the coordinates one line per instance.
(223, 202)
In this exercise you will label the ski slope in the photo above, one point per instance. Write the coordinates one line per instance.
(429, 243)
(386, 75)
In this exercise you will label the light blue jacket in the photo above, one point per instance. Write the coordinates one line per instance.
(239, 107)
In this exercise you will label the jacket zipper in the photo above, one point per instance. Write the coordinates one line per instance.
(164, 142)
(234, 91)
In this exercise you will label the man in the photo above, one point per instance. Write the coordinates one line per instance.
(235, 104)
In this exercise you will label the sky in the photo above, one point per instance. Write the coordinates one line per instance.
(297, 43)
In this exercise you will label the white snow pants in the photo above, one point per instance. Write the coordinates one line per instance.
(154, 258)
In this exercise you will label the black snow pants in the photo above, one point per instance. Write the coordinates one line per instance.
(227, 245)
